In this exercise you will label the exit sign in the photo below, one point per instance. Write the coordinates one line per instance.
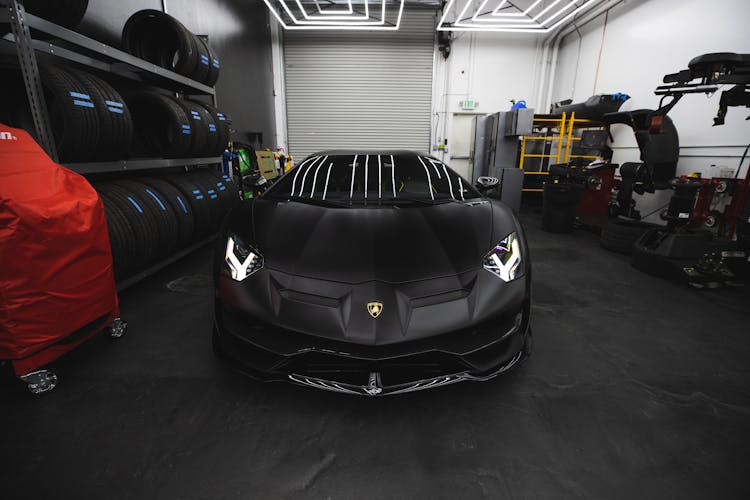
(469, 104)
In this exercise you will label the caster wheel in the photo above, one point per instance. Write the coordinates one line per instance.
(117, 328)
(40, 381)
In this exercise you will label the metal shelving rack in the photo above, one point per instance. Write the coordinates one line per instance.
(93, 54)
(85, 51)
(97, 167)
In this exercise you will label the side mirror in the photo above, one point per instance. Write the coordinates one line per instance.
(485, 184)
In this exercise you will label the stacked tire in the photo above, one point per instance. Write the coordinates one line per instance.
(171, 127)
(163, 40)
(151, 218)
(66, 13)
(89, 118)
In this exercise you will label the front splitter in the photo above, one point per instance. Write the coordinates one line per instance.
(375, 388)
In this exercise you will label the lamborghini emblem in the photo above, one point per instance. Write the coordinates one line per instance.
(374, 308)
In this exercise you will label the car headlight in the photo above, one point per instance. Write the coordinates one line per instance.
(241, 259)
(505, 260)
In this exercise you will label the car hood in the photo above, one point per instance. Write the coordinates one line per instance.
(354, 245)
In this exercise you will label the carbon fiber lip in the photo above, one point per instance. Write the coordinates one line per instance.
(374, 388)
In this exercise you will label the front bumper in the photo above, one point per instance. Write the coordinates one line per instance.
(268, 352)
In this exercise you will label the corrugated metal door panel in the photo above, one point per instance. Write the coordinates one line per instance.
(360, 89)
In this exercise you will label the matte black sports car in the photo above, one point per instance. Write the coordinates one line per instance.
(372, 273)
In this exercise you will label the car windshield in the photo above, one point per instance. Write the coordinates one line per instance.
(346, 179)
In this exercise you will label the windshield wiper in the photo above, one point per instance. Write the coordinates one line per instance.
(309, 201)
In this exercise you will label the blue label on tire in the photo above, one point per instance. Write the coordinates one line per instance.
(182, 204)
(85, 104)
(135, 204)
(81, 99)
(161, 205)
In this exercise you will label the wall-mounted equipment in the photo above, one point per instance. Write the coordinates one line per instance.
(444, 39)
(519, 16)
(373, 15)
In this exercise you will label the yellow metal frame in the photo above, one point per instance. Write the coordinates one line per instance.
(564, 126)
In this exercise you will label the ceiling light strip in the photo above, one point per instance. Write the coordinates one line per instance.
(539, 27)
(336, 11)
(331, 22)
(531, 19)
(335, 15)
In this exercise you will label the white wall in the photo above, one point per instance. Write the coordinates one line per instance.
(642, 41)
(491, 68)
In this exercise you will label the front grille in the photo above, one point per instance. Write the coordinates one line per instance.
(394, 371)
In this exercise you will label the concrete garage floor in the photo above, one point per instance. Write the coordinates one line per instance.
(638, 388)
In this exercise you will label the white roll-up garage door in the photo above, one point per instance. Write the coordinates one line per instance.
(360, 89)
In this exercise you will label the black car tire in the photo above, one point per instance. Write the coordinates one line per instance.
(214, 65)
(75, 122)
(203, 66)
(163, 128)
(122, 238)
(620, 235)
(146, 218)
(163, 216)
(66, 13)
(116, 124)
(215, 204)
(198, 200)
(198, 118)
(222, 122)
(143, 239)
(180, 205)
(220, 187)
(213, 135)
(161, 39)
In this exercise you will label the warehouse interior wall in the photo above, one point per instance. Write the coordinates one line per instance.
(631, 48)
(240, 34)
(489, 68)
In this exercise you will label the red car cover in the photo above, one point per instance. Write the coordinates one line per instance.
(56, 280)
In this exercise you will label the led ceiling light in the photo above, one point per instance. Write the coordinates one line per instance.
(330, 11)
(517, 16)
(381, 15)
(329, 14)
